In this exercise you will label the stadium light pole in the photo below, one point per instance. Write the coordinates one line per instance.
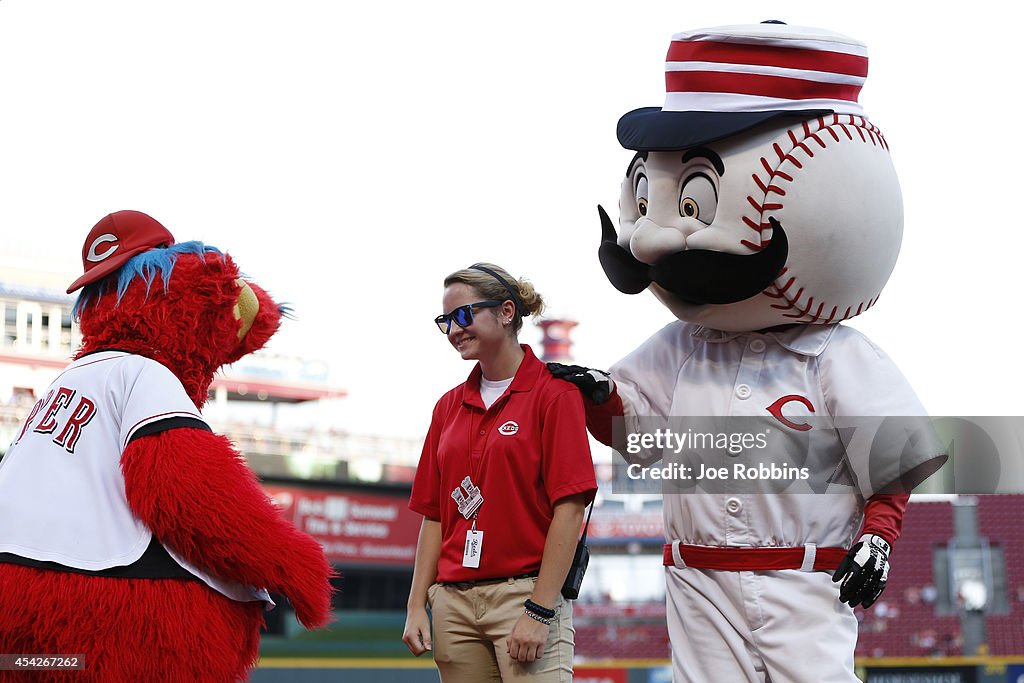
(969, 560)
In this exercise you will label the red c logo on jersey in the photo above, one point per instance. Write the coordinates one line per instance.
(95, 257)
(776, 410)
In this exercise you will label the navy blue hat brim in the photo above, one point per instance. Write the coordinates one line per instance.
(650, 129)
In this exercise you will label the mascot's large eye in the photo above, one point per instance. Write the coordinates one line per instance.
(641, 195)
(698, 198)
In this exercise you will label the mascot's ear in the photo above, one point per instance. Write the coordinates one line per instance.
(265, 315)
(247, 307)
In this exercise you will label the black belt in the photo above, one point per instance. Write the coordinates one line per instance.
(463, 585)
(155, 563)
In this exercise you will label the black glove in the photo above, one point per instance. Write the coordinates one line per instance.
(595, 385)
(863, 572)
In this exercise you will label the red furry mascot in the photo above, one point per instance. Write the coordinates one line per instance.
(130, 534)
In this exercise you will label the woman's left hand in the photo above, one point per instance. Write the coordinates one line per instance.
(527, 640)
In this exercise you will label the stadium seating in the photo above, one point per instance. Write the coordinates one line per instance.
(908, 625)
(902, 624)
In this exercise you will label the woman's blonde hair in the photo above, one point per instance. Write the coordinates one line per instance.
(494, 282)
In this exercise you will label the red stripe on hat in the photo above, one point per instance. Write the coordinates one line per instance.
(757, 84)
(761, 55)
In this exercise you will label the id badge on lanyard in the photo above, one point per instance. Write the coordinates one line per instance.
(474, 547)
(469, 499)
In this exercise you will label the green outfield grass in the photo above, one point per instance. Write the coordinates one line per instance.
(351, 635)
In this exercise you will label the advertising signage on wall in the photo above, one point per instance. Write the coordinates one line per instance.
(586, 674)
(922, 674)
(621, 526)
(354, 528)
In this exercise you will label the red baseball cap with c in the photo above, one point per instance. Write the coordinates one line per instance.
(115, 239)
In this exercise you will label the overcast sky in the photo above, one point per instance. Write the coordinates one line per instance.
(350, 155)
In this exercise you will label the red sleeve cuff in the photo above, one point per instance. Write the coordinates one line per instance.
(883, 515)
(566, 490)
(429, 511)
(599, 417)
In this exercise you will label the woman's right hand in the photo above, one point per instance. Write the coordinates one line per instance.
(417, 624)
(417, 631)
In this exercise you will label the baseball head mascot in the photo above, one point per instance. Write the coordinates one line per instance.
(131, 535)
(762, 209)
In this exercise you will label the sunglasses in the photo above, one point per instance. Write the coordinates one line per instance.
(463, 315)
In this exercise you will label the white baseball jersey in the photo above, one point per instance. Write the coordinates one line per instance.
(752, 626)
(62, 491)
(802, 373)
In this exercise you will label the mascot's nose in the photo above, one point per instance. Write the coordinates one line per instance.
(247, 307)
(650, 241)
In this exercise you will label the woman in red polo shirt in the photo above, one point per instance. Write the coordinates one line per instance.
(502, 483)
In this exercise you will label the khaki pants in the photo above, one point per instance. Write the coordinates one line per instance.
(471, 626)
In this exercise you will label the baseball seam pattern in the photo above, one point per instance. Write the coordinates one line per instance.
(804, 141)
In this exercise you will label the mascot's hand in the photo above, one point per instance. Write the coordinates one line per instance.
(595, 385)
(864, 571)
(311, 602)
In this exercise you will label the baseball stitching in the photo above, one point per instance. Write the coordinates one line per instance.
(803, 141)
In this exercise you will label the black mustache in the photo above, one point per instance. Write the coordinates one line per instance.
(697, 276)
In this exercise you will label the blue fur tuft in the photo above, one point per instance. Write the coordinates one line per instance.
(145, 267)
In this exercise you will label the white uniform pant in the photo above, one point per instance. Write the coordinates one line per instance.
(758, 627)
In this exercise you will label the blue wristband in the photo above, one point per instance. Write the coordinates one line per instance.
(545, 612)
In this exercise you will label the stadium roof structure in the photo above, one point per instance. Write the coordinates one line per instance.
(14, 290)
(243, 388)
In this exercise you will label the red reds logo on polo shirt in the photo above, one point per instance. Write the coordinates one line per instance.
(509, 428)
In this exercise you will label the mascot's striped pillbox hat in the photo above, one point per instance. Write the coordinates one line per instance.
(722, 81)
